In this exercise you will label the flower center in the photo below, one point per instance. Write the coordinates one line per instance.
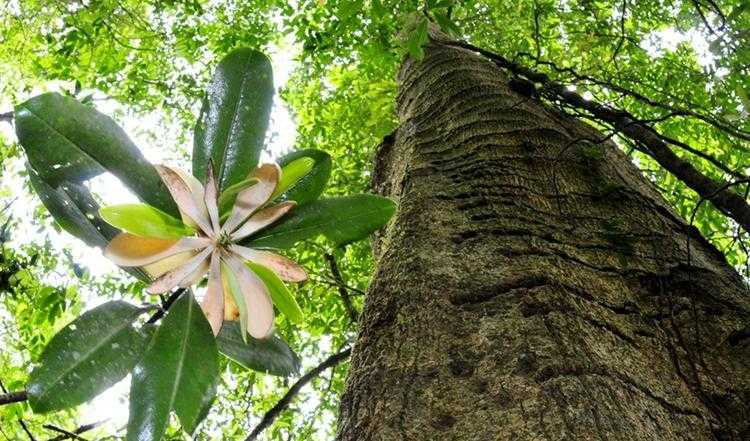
(224, 240)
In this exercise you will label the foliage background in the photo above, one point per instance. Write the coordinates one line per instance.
(150, 61)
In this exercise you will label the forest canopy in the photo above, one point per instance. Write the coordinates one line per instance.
(677, 69)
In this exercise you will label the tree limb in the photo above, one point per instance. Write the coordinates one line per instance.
(8, 116)
(65, 434)
(284, 402)
(717, 192)
(13, 397)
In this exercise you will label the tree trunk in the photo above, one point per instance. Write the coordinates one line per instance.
(533, 284)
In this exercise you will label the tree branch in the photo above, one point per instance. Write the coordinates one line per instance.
(284, 402)
(65, 434)
(353, 314)
(26, 429)
(722, 197)
(166, 304)
(8, 117)
(13, 397)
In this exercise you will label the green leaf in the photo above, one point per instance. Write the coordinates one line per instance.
(271, 355)
(341, 220)
(86, 357)
(233, 285)
(179, 372)
(292, 173)
(228, 196)
(417, 39)
(310, 186)
(233, 123)
(74, 209)
(67, 141)
(282, 298)
(144, 220)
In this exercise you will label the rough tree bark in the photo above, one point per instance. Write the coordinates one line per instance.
(533, 284)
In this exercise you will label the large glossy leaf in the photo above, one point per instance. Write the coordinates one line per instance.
(312, 184)
(86, 357)
(179, 372)
(280, 295)
(145, 221)
(233, 123)
(341, 220)
(68, 141)
(271, 355)
(74, 209)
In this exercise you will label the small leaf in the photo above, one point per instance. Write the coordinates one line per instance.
(280, 295)
(232, 126)
(179, 372)
(310, 186)
(291, 174)
(67, 141)
(271, 355)
(86, 357)
(145, 221)
(341, 220)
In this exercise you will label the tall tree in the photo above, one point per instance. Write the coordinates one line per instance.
(533, 284)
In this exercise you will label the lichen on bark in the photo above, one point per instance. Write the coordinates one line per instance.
(533, 285)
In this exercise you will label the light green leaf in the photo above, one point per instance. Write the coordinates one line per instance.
(145, 220)
(341, 220)
(228, 196)
(271, 355)
(233, 123)
(291, 173)
(67, 141)
(231, 284)
(310, 186)
(86, 357)
(179, 372)
(280, 295)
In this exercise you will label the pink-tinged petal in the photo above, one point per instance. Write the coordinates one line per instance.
(196, 276)
(188, 195)
(258, 301)
(178, 275)
(252, 198)
(262, 219)
(163, 266)
(127, 249)
(213, 303)
(211, 197)
(287, 269)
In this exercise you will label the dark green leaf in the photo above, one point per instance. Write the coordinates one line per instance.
(271, 355)
(86, 357)
(179, 372)
(341, 220)
(310, 186)
(74, 210)
(68, 141)
(233, 124)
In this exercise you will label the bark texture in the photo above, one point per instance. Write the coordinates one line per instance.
(533, 285)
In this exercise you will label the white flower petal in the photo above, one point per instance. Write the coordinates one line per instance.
(127, 249)
(188, 194)
(178, 275)
(287, 269)
(252, 198)
(210, 199)
(213, 303)
(262, 219)
(257, 300)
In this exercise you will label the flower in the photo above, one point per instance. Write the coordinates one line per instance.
(208, 243)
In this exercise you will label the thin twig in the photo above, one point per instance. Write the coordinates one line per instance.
(166, 305)
(353, 314)
(284, 402)
(64, 433)
(26, 429)
(8, 116)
